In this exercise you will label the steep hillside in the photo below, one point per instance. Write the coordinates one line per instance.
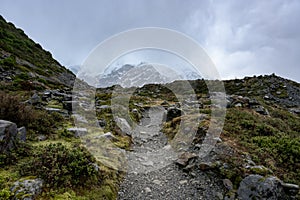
(25, 65)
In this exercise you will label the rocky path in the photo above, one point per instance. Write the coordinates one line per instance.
(152, 172)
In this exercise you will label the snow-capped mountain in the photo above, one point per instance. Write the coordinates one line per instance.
(139, 75)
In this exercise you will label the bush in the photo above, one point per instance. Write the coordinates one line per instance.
(36, 121)
(5, 194)
(60, 166)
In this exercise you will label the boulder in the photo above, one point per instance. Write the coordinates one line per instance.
(27, 189)
(34, 99)
(47, 95)
(259, 187)
(123, 125)
(261, 110)
(8, 135)
(184, 158)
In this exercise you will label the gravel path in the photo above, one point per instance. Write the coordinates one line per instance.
(152, 173)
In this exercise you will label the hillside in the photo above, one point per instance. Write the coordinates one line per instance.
(25, 65)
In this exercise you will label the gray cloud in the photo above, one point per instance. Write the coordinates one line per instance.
(256, 37)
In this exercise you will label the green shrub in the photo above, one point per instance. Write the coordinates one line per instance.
(5, 194)
(36, 121)
(60, 166)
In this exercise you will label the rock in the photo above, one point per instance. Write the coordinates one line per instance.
(78, 132)
(62, 112)
(291, 189)
(8, 135)
(41, 137)
(22, 134)
(47, 95)
(173, 113)
(253, 102)
(35, 99)
(104, 107)
(259, 187)
(228, 184)
(184, 158)
(148, 163)
(295, 111)
(123, 125)
(107, 135)
(157, 182)
(183, 182)
(102, 123)
(259, 169)
(148, 190)
(238, 105)
(219, 195)
(261, 110)
(204, 166)
(27, 189)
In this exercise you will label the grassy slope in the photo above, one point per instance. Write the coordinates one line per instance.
(23, 57)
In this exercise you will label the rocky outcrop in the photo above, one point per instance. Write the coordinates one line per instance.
(259, 187)
(27, 189)
(8, 136)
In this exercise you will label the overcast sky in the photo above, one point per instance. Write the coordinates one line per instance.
(242, 38)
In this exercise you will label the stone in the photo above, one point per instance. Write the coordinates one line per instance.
(102, 123)
(27, 189)
(204, 166)
(291, 189)
(148, 163)
(47, 95)
(41, 137)
(22, 134)
(148, 190)
(78, 132)
(8, 135)
(104, 107)
(219, 196)
(259, 169)
(184, 158)
(62, 112)
(259, 187)
(123, 125)
(35, 99)
(107, 135)
(261, 110)
(157, 182)
(182, 182)
(228, 184)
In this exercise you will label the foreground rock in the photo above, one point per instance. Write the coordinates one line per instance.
(8, 135)
(271, 188)
(27, 189)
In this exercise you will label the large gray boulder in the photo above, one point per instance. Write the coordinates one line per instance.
(27, 189)
(259, 187)
(8, 135)
(123, 125)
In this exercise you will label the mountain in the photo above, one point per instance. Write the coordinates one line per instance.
(139, 75)
(24, 64)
